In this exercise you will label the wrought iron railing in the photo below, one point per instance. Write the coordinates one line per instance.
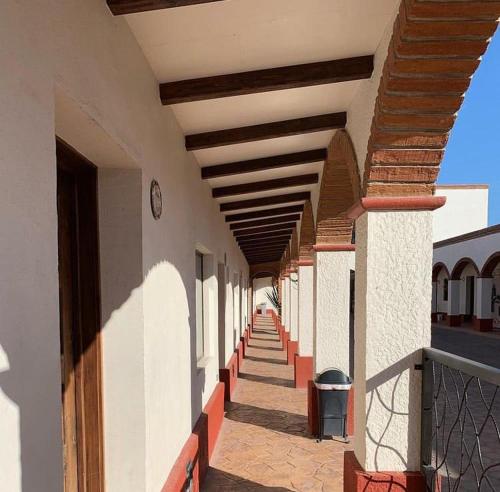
(460, 424)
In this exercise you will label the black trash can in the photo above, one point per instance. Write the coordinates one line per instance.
(333, 389)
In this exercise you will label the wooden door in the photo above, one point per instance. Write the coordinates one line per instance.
(79, 306)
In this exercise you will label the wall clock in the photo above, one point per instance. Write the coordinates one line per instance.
(155, 195)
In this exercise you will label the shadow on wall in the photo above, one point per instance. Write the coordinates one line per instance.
(385, 390)
(126, 319)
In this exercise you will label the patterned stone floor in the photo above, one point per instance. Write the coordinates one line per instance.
(264, 444)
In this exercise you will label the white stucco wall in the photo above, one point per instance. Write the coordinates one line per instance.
(133, 130)
(465, 210)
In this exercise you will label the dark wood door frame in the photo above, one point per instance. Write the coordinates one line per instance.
(77, 181)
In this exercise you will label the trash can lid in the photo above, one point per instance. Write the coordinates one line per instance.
(332, 376)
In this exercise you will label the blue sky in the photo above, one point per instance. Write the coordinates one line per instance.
(473, 151)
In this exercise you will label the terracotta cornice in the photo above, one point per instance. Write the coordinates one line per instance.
(395, 203)
(305, 263)
(334, 247)
(293, 270)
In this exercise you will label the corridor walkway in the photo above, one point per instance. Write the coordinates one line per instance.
(264, 443)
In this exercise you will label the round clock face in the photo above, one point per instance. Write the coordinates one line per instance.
(156, 204)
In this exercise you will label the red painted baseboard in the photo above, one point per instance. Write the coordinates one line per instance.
(199, 446)
(229, 376)
(292, 347)
(303, 370)
(454, 320)
(358, 480)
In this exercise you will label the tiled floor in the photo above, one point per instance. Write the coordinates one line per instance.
(264, 443)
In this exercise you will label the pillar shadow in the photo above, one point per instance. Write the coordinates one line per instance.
(277, 349)
(275, 420)
(266, 360)
(217, 480)
(287, 383)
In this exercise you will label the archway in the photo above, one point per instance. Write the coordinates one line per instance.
(340, 189)
(307, 235)
(440, 287)
(464, 275)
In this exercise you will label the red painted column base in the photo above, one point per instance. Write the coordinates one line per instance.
(303, 370)
(239, 352)
(284, 340)
(454, 320)
(312, 408)
(292, 348)
(483, 324)
(199, 446)
(358, 480)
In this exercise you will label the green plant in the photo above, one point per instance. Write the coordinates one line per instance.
(274, 298)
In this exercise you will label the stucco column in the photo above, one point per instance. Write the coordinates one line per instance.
(286, 303)
(392, 324)
(454, 302)
(294, 306)
(305, 308)
(483, 320)
(331, 306)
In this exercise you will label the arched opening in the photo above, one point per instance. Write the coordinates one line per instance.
(490, 290)
(340, 189)
(465, 274)
(491, 265)
(307, 236)
(440, 291)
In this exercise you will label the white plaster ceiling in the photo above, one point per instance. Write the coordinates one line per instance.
(239, 35)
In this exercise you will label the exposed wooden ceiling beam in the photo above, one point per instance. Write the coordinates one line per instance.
(261, 222)
(258, 261)
(268, 235)
(270, 240)
(120, 7)
(263, 253)
(288, 226)
(268, 200)
(265, 213)
(263, 164)
(263, 244)
(270, 184)
(271, 79)
(265, 131)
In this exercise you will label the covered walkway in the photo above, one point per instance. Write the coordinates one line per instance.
(264, 443)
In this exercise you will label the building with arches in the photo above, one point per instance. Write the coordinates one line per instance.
(466, 279)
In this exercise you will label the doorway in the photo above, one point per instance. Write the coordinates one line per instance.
(469, 297)
(79, 310)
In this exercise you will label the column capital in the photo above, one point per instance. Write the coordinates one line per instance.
(334, 247)
(395, 203)
(305, 262)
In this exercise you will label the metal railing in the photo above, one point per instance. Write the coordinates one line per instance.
(460, 423)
